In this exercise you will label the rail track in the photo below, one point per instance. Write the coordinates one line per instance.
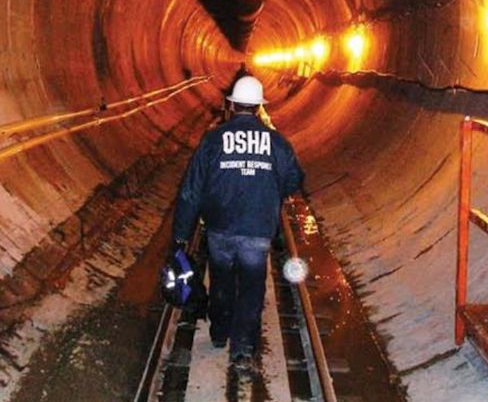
(183, 367)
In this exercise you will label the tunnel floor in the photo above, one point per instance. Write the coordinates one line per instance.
(87, 333)
(101, 357)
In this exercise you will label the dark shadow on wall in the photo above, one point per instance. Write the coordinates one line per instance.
(450, 99)
(234, 18)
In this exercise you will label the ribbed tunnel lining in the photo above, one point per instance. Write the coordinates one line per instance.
(381, 162)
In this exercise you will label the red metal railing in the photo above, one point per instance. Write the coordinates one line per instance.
(468, 316)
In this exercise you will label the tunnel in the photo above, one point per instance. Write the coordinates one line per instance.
(378, 140)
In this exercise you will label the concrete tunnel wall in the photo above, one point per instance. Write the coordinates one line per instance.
(381, 156)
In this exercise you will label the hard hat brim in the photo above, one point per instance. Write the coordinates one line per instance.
(237, 100)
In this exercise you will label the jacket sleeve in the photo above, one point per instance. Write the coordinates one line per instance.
(189, 200)
(294, 175)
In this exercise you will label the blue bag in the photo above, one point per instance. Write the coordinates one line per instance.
(176, 279)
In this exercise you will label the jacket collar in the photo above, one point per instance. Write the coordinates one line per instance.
(242, 117)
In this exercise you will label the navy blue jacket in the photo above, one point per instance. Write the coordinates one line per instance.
(237, 180)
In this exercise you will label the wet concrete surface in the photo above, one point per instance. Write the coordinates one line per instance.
(102, 356)
(100, 359)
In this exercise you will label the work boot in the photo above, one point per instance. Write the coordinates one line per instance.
(219, 343)
(218, 336)
(244, 364)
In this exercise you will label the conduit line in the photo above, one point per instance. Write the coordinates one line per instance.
(39, 122)
(43, 138)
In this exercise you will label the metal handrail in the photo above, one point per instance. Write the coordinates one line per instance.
(43, 138)
(317, 346)
(465, 215)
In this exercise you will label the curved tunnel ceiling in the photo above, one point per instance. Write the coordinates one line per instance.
(380, 150)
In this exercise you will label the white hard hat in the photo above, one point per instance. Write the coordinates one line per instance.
(247, 90)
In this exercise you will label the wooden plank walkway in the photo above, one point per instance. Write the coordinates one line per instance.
(209, 366)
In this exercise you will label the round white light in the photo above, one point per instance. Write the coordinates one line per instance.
(295, 270)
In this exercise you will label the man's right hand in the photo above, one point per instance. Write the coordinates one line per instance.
(178, 244)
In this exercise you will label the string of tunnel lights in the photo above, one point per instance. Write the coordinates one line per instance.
(311, 56)
(482, 39)
(484, 16)
(306, 57)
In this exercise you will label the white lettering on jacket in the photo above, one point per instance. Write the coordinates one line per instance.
(250, 142)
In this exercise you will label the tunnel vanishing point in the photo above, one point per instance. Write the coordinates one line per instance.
(377, 137)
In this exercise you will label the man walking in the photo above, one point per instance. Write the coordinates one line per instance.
(237, 180)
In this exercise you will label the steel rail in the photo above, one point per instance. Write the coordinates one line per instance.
(43, 138)
(318, 349)
(43, 121)
(314, 379)
(149, 362)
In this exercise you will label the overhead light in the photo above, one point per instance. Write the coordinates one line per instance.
(319, 48)
(484, 16)
(300, 52)
(356, 44)
(313, 53)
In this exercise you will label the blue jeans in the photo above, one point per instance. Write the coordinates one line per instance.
(237, 286)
